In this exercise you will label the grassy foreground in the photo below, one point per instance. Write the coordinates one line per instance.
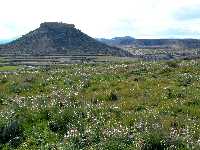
(141, 105)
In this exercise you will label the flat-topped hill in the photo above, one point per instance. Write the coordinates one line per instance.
(59, 38)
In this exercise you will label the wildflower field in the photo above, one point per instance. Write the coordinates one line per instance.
(111, 106)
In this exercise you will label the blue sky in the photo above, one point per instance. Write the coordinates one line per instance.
(105, 18)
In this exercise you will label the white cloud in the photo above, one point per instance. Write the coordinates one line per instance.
(98, 18)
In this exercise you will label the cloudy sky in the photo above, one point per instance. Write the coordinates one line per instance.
(105, 18)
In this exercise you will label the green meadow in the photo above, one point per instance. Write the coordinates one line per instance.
(110, 106)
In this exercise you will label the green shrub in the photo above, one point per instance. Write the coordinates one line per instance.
(12, 134)
(154, 141)
(20, 87)
(3, 80)
(113, 96)
(172, 64)
(3, 98)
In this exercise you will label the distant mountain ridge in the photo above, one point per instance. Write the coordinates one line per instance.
(152, 43)
(59, 38)
(127, 40)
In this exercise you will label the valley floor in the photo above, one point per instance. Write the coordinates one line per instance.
(133, 105)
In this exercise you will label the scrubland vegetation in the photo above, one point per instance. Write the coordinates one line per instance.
(137, 105)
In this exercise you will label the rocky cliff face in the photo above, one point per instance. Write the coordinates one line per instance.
(59, 38)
